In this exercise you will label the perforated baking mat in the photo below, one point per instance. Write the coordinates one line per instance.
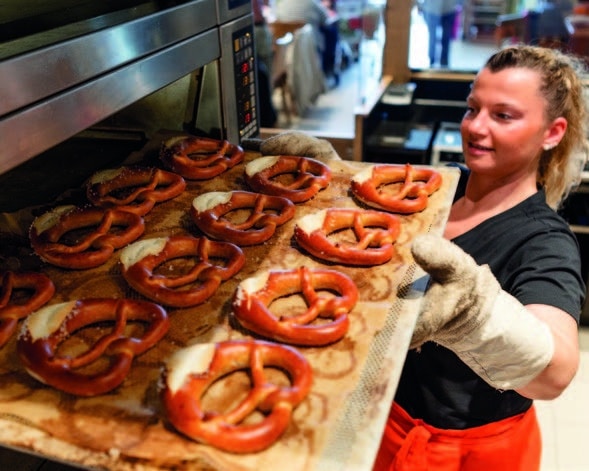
(339, 424)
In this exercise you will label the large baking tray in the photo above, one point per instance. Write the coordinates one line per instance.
(337, 427)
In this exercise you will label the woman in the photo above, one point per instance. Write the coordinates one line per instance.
(498, 327)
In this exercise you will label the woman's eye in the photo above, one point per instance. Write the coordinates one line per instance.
(504, 116)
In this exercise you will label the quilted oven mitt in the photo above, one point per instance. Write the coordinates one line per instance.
(293, 143)
(465, 310)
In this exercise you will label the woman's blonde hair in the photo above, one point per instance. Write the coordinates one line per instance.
(561, 75)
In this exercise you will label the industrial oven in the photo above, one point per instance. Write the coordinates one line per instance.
(84, 83)
(68, 66)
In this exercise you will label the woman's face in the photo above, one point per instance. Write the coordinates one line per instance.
(504, 127)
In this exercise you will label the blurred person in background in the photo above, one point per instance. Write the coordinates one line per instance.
(324, 22)
(439, 16)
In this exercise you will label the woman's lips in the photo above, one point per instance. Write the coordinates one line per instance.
(478, 148)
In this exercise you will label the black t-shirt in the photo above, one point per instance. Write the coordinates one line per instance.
(535, 257)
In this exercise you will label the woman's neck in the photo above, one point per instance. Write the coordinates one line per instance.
(484, 199)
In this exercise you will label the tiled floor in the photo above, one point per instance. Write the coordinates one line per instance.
(564, 421)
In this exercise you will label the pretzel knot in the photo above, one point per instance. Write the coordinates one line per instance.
(199, 158)
(418, 184)
(133, 189)
(196, 268)
(254, 296)
(80, 238)
(189, 374)
(21, 293)
(374, 235)
(84, 374)
(211, 211)
(294, 177)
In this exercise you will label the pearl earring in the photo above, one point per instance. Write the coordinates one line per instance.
(549, 146)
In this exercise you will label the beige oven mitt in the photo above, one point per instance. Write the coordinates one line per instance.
(465, 310)
(293, 143)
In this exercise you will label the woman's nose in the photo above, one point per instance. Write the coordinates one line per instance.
(477, 124)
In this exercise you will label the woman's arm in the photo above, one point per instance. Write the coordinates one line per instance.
(552, 381)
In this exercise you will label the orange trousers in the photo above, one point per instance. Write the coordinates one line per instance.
(409, 444)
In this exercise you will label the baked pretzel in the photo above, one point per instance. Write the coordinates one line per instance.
(133, 189)
(79, 238)
(375, 233)
(21, 293)
(266, 212)
(369, 186)
(253, 297)
(199, 158)
(190, 372)
(308, 176)
(45, 330)
(191, 287)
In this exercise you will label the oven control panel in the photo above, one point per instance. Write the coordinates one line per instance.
(239, 79)
(245, 83)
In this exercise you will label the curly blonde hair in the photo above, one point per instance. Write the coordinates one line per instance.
(559, 170)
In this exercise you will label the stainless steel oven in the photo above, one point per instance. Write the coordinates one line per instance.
(68, 66)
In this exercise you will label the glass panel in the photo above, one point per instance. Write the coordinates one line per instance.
(477, 28)
(463, 55)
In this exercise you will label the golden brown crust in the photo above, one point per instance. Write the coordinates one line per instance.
(40, 290)
(182, 398)
(251, 305)
(98, 235)
(266, 213)
(199, 158)
(417, 185)
(186, 288)
(133, 189)
(309, 176)
(44, 331)
(375, 234)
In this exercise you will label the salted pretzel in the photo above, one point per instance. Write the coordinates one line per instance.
(133, 189)
(190, 372)
(199, 158)
(21, 293)
(369, 186)
(45, 330)
(375, 233)
(328, 294)
(265, 212)
(307, 176)
(83, 237)
(192, 283)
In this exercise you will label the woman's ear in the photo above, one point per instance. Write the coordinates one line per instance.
(554, 133)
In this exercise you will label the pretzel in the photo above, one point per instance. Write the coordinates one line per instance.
(133, 189)
(266, 212)
(190, 372)
(191, 287)
(79, 238)
(375, 233)
(309, 176)
(45, 330)
(412, 197)
(199, 158)
(21, 293)
(253, 297)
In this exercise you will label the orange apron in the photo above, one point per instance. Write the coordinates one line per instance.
(409, 444)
